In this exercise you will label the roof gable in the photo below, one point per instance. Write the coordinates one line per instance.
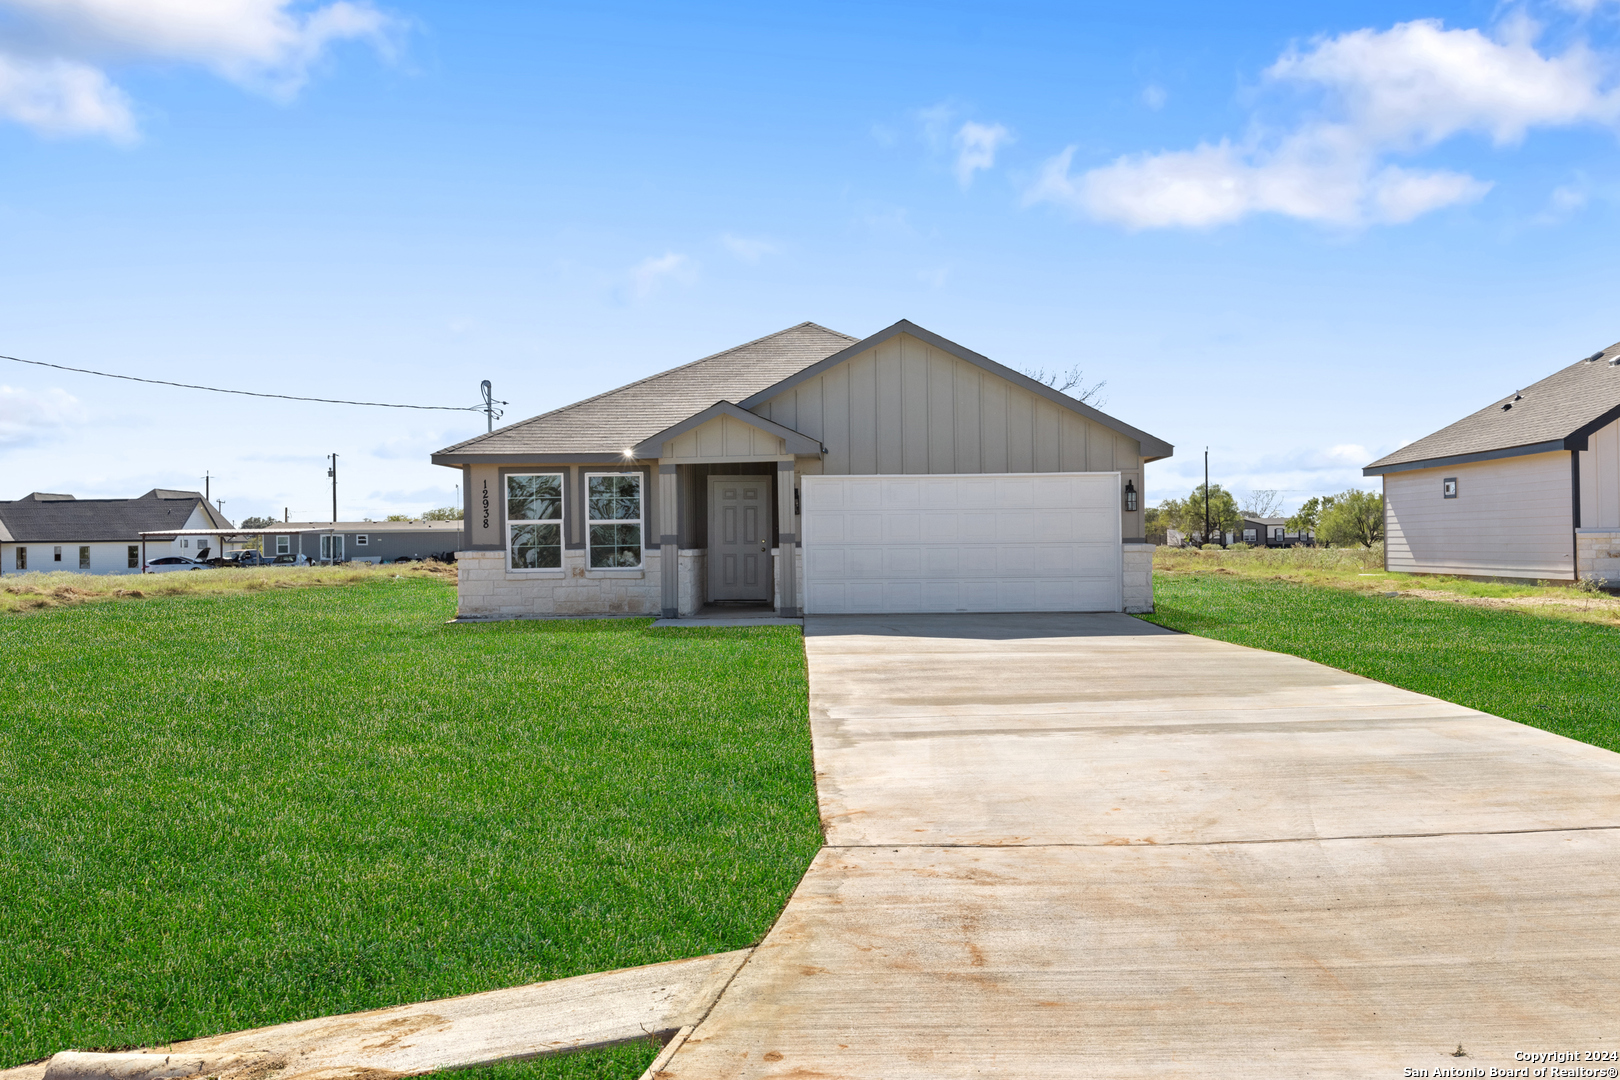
(717, 423)
(30, 520)
(603, 427)
(1152, 447)
(1557, 413)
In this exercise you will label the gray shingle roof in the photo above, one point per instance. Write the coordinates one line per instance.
(48, 519)
(609, 423)
(1557, 413)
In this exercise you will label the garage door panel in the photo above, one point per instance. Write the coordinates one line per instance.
(902, 528)
(865, 562)
(962, 543)
(864, 528)
(902, 562)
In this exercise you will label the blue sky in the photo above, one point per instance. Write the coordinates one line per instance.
(1299, 234)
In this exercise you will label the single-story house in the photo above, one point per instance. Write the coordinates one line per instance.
(1271, 532)
(363, 541)
(46, 532)
(1527, 487)
(810, 471)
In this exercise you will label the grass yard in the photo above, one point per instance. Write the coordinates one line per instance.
(219, 811)
(1558, 674)
(1362, 570)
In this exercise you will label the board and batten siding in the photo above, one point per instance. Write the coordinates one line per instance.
(904, 406)
(1600, 479)
(1511, 518)
(724, 436)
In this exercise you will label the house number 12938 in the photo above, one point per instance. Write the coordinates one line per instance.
(486, 504)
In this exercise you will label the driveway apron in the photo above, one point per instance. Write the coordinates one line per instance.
(1081, 845)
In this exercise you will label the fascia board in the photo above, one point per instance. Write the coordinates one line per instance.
(1483, 455)
(473, 458)
(1152, 448)
(797, 442)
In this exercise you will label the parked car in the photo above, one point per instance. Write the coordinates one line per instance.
(291, 560)
(170, 563)
(250, 557)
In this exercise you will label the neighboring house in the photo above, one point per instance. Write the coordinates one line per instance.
(46, 532)
(910, 473)
(1271, 532)
(1527, 487)
(362, 541)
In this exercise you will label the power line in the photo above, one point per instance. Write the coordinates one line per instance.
(244, 393)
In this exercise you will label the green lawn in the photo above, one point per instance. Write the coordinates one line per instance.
(1555, 674)
(228, 811)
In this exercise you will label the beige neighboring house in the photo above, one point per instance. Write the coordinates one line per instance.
(1527, 487)
(810, 471)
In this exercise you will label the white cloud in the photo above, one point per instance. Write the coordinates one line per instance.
(26, 415)
(1154, 96)
(269, 46)
(63, 97)
(748, 249)
(1390, 92)
(649, 275)
(976, 148)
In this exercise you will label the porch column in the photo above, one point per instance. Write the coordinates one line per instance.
(787, 541)
(669, 560)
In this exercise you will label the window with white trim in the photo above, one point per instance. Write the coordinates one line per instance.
(613, 520)
(360, 540)
(84, 558)
(134, 556)
(22, 558)
(283, 545)
(534, 516)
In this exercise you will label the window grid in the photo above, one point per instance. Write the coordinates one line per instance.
(534, 519)
(134, 556)
(613, 520)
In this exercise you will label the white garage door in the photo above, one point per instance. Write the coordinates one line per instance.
(1018, 542)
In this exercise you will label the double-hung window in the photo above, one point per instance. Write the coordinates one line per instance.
(84, 558)
(283, 545)
(22, 558)
(534, 515)
(613, 522)
(134, 556)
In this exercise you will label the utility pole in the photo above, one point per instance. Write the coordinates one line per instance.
(1206, 496)
(491, 413)
(332, 472)
(207, 488)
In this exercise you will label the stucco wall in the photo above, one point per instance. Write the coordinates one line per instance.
(1511, 518)
(1138, 571)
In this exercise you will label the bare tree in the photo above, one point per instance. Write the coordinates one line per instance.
(1065, 381)
(1263, 503)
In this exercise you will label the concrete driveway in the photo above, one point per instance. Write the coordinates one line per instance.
(1083, 846)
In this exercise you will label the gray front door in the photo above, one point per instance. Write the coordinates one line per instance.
(739, 538)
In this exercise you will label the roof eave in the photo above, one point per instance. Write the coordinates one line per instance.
(1571, 442)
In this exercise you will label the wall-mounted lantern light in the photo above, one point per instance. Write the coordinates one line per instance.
(1130, 497)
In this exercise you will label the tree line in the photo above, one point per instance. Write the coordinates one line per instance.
(1346, 519)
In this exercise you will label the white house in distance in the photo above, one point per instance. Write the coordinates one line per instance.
(45, 532)
(810, 471)
(1527, 487)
